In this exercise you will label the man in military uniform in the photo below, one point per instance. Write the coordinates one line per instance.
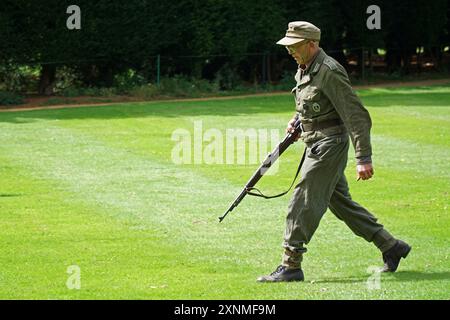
(330, 112)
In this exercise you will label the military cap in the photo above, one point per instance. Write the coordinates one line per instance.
(299, 31)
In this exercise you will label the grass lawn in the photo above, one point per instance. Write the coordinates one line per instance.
(97, 188)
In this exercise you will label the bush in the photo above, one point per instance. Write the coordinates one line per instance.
(287, 82)
(10, 98)
(107, 92)
(124, 82)
(227, 78)
(177, 86)
(145, 92)
(67, 78)
(205, 86)
(71, 92)
(18, 78)
(180, 86)
(90, 92)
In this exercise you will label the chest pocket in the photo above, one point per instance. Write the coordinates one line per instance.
(309, 102)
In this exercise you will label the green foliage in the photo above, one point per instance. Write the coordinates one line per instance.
(227, 78)
(90, 92)
(126, 80)
(287, 81)
(10, 98)
(18, 78)
(177, 86)
(145, 92)
(71, 92)
(181, 86)
(110, 53)
(66, 78)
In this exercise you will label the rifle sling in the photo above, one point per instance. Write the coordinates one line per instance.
(260, 194)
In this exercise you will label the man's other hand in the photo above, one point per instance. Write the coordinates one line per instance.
(364, 171)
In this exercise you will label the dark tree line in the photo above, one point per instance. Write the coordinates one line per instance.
(119, 35)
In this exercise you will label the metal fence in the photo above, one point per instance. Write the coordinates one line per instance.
(360, 62)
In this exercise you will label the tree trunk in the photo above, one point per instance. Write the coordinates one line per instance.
(393, 60)
(106, 76)
(47, 79)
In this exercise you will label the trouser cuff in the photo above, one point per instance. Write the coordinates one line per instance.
(383, 240)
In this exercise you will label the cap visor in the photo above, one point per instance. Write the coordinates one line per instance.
(288, 41)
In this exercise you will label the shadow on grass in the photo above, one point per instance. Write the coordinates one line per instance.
(9, 195)
(233, 107)
(420, 276)
(170, 109)
(400, 276)
(422, 99)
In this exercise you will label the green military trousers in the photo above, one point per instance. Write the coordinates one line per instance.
(323, 185)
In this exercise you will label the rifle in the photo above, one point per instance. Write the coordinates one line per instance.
(266, 164)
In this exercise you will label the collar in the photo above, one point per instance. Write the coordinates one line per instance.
(314, 66)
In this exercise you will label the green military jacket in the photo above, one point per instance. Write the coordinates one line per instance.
(323, 92)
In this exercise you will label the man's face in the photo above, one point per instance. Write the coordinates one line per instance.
(300, 52)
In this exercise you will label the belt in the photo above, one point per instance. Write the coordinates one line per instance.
(314, 126)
